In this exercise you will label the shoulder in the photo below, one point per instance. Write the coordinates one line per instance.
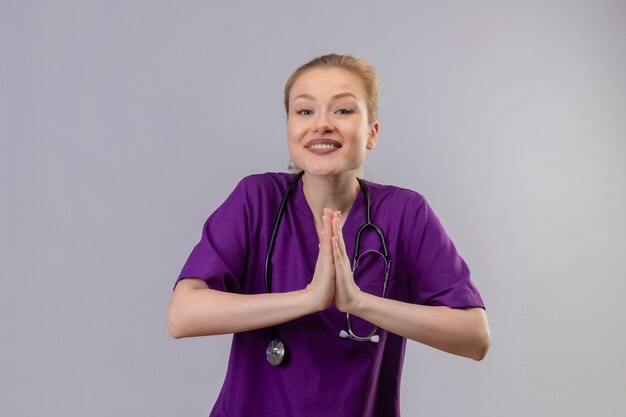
(267, 180)
(260, 191)
(266, 184)
(396, 197)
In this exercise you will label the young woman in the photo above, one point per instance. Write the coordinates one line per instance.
(322, 276)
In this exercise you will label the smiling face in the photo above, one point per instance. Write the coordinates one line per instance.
(327, 128)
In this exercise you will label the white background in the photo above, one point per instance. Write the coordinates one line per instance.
(124, 124)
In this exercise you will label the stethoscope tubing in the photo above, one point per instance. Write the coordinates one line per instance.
(276, 349)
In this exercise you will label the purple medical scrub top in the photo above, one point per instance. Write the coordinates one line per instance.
(323, 374)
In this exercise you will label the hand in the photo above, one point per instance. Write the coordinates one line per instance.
(322, 286)
(347, 293)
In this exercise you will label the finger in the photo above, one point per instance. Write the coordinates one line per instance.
(327, 249)
(327, 220)
(338, 254)
(336, 251)
(338, 232)
(324, 240)
(335, 218)
(320, 252)
(337, 215)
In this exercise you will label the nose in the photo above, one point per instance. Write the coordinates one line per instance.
(322, 124)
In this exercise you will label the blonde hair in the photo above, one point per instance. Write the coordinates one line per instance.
(359, 67)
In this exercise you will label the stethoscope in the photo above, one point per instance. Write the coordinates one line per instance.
(276, 349)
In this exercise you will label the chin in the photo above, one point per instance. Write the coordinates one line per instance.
(315, 169)
(318, 172)
(325, 168)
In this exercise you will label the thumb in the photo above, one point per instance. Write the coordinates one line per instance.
(326, 250)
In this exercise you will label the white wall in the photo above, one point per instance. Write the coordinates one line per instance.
(124, 124)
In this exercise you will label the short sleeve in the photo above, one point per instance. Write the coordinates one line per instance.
(440, 276)
(220, 256)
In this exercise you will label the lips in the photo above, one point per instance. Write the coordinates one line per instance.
(323, 143)
(322, 146)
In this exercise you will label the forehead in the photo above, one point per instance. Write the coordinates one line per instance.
(327, 81)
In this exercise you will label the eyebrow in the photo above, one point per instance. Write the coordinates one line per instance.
(336, 96)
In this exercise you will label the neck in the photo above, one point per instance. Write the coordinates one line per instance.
(336, 192)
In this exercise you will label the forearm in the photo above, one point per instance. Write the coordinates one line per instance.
(458, 331)
(202, 311)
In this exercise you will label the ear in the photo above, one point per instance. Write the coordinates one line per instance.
(371, 140)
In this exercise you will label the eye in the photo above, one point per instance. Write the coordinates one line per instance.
(304, 112)
(344, 110)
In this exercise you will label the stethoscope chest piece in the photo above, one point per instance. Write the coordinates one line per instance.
(275, 352)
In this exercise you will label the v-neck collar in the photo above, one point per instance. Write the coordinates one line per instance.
(355, 219)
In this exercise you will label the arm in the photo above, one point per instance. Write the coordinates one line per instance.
(458, 331)
(196, 310)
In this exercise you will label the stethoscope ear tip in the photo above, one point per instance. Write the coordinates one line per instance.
(374, 339)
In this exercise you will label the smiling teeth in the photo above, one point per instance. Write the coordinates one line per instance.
(322, 146)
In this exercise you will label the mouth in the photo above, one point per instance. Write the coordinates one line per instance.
(323, 145)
